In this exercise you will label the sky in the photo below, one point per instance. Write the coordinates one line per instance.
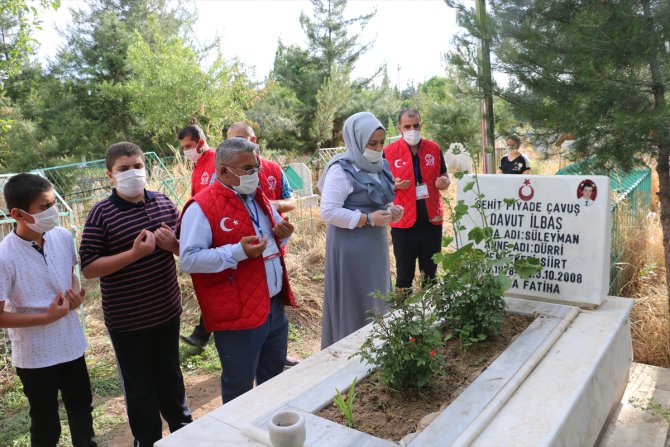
(411, 36)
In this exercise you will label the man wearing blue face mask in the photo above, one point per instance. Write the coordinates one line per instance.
(420, 174)
(232, 245)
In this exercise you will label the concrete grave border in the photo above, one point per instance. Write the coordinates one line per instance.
(311, 385)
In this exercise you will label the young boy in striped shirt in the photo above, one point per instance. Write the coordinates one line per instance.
(128, 242)
(39, 297)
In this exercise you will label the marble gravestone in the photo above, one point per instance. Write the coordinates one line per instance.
(563, 221)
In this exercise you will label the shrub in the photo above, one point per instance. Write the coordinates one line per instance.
(406, 345)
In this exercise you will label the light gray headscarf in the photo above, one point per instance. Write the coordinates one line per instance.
(357, 131)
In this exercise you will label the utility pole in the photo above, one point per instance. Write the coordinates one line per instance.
(486, 90)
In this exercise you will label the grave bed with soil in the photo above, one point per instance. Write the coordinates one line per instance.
(392, 414)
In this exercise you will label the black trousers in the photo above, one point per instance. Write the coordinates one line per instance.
(421, 242)
(41, 386)
(148, 360)
(200, 332)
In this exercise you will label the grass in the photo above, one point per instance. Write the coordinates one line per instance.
(644, 267)
(651, 407)
(199, 361)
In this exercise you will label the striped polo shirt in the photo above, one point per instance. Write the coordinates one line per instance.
(145, 293)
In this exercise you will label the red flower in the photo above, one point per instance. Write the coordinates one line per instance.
(433, 353)
(412, 340)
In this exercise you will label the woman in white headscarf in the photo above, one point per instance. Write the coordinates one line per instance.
(357, 204)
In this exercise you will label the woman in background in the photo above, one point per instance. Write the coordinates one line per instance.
(514, 162)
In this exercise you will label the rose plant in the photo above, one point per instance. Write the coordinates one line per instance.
(465, 300)
(468, 295)
(404, 344)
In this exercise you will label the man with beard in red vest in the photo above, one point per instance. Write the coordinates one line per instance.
(232, 245)
(420, 174)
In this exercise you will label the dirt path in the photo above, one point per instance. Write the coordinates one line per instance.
(203, 394)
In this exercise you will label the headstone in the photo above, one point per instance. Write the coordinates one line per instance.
(305, 175)
(564, 221)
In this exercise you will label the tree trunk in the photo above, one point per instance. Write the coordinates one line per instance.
(663, 159)
(663, 170)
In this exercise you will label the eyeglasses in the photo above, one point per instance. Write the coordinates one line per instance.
(251, 171)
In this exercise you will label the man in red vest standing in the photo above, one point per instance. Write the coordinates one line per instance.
(279, 192)
(231, 243)
(192, 141)
(420, 174)
(281, 197)
(272, 178)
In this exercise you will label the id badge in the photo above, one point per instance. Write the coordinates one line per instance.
(271, 250)
(421, 191)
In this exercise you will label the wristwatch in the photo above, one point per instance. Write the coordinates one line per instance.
(368, 221)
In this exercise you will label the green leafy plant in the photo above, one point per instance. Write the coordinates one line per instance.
(345, 405)
(468, 295)
(405, 345)
(651, 406)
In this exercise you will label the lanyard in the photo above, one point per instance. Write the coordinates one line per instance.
(255, 218)
(417, 168)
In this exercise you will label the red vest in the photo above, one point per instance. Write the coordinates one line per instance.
(237, 298)
(270, 179)
(203, 171)
(399, 157)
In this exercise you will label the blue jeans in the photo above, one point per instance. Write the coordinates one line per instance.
(249, 354)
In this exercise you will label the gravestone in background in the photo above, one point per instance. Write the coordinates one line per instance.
(305, 175)
(564, 221)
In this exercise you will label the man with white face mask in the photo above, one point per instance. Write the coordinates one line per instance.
(192, 141)
(275, 186)
(420, 174)
(273, 182)
(232, 245)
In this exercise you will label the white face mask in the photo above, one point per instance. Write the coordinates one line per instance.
(372, 155)
(412, 137)
(44, 221)
(248, 182)
(131, 183)
(192, 154)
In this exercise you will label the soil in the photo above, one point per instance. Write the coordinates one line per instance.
(392, 414)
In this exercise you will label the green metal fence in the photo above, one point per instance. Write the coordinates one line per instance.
(81, 185)
(178, 189)
(630, 202)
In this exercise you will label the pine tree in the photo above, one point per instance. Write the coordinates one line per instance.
(595, 69)
(329, 59)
